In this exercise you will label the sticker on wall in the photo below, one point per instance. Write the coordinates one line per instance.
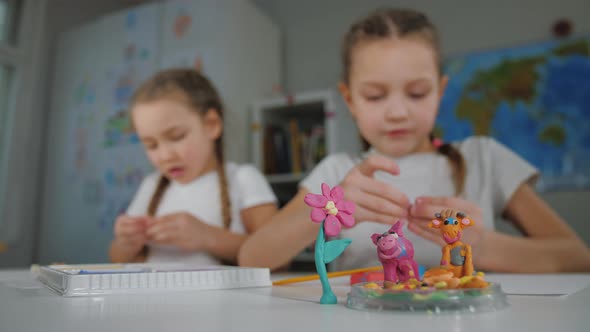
(181, 24)
(131, 20)
(121, 82)
(85, 92)
(130, 51)
(141, 34)
(118, 130)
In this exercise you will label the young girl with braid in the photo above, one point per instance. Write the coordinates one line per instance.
(392, 84)
(196, 208)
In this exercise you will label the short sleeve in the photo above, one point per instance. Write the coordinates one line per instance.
(141, 200)
(509, 171)
(253, 187)
(331, 170)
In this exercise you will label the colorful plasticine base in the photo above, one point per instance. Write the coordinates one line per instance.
(372, 296)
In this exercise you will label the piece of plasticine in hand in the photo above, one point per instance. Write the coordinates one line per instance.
(456, 255)
(331, 211)
(396, 253)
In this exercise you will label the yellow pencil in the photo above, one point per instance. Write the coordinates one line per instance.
(330, 275)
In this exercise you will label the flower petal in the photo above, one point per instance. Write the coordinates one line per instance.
(346, 219)
(317, 215)
(337, 194)
(314, 200)
(326, 191)
(332, 225)
(345, 206)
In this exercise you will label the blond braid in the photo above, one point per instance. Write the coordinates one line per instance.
(458, 167)
(223, 187)
(163, 183)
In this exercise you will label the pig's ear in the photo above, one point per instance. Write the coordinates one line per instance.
(434, 223)
(398, 227)
(375, 237)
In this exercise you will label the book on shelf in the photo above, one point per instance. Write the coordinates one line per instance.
(294, 139)
(292, 148)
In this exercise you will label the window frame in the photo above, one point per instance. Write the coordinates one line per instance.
(25, 56)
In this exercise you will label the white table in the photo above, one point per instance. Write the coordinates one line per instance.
(25, 305)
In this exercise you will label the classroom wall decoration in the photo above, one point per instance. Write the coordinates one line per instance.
(533, 98)
(96, 162)
(105, 164)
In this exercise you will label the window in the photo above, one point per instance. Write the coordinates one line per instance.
(10, 59)
(5, 83)
(6, 79)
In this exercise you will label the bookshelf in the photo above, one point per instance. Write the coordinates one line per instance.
(291, 134)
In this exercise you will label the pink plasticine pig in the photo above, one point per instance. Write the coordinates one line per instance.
(396, 253)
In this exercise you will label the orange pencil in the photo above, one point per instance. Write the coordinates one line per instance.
(330, 275)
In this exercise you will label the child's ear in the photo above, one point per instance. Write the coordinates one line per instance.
(398, 227)
(213, 124)
(375, 238)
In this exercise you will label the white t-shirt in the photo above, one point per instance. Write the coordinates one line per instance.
(247, 187)
(493, 174)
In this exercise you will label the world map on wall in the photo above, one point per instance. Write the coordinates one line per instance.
(535, 99)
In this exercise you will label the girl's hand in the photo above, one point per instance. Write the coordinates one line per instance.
(422, 212)
(181, 230)
(130, 232)
(375, 200)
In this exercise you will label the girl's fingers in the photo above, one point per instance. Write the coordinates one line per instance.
(384, 190)
(362, 214)
(128, 230)
(162, 237)
(153, 230)
(456, 203)
(425, 210)
(437, 200)
(162, 233)
(423, 222)
(137, 239)
(425, 232)
(126, 224)
(378, 163)
(380, 206)
(165, 228)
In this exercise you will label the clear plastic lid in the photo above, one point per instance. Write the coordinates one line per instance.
(430, 299)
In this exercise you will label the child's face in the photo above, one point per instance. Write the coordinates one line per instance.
(178, 141)
(393, 93)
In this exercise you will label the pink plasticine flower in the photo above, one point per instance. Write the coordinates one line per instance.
(332, 207)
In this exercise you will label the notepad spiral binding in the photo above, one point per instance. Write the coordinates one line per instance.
(74, 282)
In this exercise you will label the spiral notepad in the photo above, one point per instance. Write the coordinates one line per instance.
(101, 279)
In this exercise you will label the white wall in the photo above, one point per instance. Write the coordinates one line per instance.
(313, 29)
